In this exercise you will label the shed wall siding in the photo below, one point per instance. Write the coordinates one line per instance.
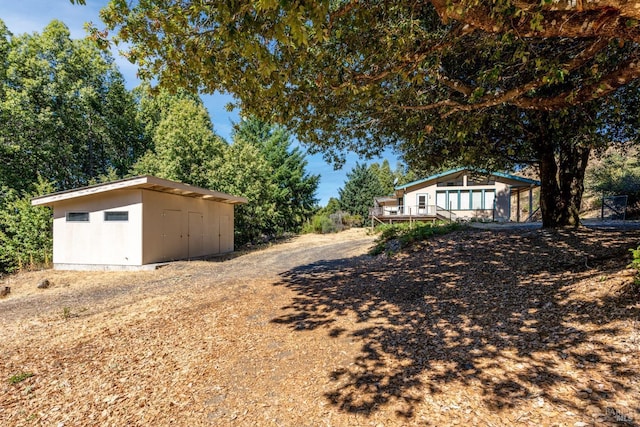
(178, 227)
(99, 242)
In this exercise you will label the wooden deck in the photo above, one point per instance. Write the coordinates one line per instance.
(429, 214)
(391, 219)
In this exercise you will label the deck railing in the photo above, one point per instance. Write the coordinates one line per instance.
(411, 211)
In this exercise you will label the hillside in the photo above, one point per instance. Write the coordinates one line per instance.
(479, 327)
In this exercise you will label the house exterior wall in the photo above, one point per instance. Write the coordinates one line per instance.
(178, 227)
(97, 241)
(467, 201)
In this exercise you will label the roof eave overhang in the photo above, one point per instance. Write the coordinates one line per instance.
(146, 182)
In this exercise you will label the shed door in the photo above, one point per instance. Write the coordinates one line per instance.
(226, 234)
(196, 234)
(172, 239)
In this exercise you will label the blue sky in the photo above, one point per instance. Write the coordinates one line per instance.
(28, 16)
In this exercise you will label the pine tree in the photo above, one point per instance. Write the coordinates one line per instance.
(361, 187)
(295, 194)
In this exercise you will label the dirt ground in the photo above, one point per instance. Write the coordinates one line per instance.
(479, 327)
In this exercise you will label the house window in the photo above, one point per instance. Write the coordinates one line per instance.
(77, 216)
(489, 198)
(401, 205)
(480, 180)
(476, 200)
(464, 200)
(441, 199)
(457, 182)
(454, 198)
(116, 216)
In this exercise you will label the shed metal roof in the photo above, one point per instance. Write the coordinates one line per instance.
(146, 182)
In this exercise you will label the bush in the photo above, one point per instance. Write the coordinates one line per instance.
(26, 237)
(635, 263)
(319, 224)
(634, 288)
(406, 234)
(352, 220)
(617, 173)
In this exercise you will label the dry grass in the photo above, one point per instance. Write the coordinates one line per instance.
(474, 328)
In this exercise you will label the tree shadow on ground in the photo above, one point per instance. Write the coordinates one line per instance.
(491, 310)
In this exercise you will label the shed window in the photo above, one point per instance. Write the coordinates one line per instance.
(77, 216)
(116, 216)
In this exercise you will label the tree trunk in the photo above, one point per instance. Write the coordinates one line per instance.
(562, 169)
(572, 165)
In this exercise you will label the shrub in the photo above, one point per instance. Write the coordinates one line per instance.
(634, 287)
(406, 234)
(352, 220)
(635, 262)
(319, 224)
(26, 238)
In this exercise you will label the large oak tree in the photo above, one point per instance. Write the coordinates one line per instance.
(362, 76)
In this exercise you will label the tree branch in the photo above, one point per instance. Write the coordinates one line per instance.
(598, 18)
(510, 96)
(410, 62)
(333, 16)
(627, 72)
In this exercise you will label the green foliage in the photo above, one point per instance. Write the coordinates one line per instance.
(184, 144)
(349, 221)
(26, 236)
(260, 164)
(364, 183)
(18, 378)
(635, 262)
(616, 174)
(320, 224)
(65, 114)
(406, 234)
(110, 175)
(361, 187)
(386, 177)
(294, 197)
(492, 88)
(243, 171)
(333, 206)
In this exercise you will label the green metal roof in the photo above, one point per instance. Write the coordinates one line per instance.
(454, 171)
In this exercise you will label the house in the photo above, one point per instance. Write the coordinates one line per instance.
(458, 194)
(135, 223)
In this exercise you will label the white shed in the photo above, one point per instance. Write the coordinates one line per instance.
(138, 222)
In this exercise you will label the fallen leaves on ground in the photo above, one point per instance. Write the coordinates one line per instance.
(479, 327)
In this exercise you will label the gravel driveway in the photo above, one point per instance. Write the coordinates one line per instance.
(94, 291)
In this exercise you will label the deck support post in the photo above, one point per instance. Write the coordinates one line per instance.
(530, 201)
